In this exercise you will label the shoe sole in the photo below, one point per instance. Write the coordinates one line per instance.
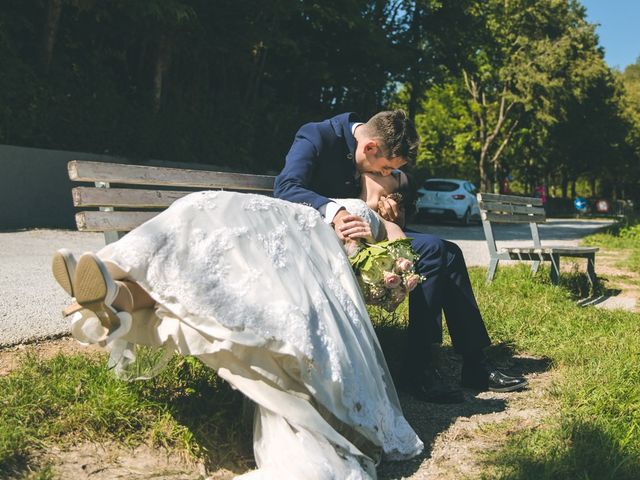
(63, 267)
(95, 290)
(510, 389)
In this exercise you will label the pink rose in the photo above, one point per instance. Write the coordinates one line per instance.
(412, 281)
(392, 280)
(403, 265)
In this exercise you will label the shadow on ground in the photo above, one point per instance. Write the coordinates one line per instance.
(429, 419)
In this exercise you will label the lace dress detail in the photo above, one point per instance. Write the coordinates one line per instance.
(261, 290)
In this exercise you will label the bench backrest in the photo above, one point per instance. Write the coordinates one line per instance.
(510, 209)
(140, 203)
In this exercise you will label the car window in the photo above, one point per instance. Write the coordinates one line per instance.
(440, 186)
(469, 187)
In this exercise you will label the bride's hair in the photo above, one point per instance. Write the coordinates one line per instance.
(406, 192)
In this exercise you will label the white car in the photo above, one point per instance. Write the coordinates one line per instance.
(448, 198)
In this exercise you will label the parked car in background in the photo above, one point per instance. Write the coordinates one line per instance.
(448, 198)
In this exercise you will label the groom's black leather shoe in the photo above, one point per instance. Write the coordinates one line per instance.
(428, 386)
(483, 377)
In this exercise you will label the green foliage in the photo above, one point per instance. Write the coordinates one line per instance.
(446, 131)
(532, 98)
(188, 80)
(495, 87)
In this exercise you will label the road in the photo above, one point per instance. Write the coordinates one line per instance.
(31, 301)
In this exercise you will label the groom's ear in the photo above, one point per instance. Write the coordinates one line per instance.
(371, 147)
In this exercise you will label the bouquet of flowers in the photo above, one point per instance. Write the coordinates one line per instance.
(386, 272)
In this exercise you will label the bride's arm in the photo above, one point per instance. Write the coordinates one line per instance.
(394, 232)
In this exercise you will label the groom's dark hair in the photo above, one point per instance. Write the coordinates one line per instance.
(397, 133)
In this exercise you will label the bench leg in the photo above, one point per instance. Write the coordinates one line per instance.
(110, 236)
(555, 269)
(591, 270)
(491, 272)
(535, 265)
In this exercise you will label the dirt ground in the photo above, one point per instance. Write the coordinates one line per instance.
(454, 435)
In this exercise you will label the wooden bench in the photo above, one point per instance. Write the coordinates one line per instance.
(126, 196)
(512, 209)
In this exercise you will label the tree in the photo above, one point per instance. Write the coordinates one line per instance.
(520, 73)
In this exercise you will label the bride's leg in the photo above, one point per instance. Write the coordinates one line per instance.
(133, 296)
(139, 297)
(115, 271)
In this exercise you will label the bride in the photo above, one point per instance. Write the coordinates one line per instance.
(261, 290)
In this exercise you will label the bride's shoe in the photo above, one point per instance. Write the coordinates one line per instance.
(63, 267)
(95, 290)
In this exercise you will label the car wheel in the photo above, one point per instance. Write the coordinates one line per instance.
(466, 218)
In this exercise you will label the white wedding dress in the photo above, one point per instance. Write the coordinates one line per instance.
(261, 290)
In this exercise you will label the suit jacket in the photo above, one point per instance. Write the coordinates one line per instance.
(320, 164)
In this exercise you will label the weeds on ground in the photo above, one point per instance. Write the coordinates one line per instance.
(623, 236)
(187, 408)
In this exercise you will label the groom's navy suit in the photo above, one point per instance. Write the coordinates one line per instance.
(320, 165)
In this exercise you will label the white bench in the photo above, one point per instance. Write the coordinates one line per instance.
(512, 209)
(125, 196)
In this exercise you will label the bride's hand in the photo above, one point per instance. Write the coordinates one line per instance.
(354, 227)
(391, 210)
(388, 208)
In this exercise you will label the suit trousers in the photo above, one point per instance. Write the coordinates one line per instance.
(447, 288)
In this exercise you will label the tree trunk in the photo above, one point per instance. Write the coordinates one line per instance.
(54, 10)
(564, 184)
(414, 71)
(483, 171)
(416, 92)
(163, 57)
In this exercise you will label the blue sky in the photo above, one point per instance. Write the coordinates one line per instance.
(619, 29)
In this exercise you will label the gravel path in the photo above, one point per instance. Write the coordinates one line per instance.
(31, 301)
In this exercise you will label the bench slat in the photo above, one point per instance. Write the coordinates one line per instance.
(511, 208)
(494, 197)
(511, 218)
(84, 171)
(111, 221)
(124, 197)
(562, 250)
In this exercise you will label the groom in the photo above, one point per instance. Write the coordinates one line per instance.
(324, 162)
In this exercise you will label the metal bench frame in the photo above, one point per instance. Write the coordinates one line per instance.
(513, 209)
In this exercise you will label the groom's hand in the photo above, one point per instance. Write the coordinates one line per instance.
(348, 226)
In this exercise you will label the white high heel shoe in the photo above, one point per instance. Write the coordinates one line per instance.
(95, 290)
(63, 267)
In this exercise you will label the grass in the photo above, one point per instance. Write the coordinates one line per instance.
(66, 399)
(187, 409)
(624, 237)
(596, 434)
